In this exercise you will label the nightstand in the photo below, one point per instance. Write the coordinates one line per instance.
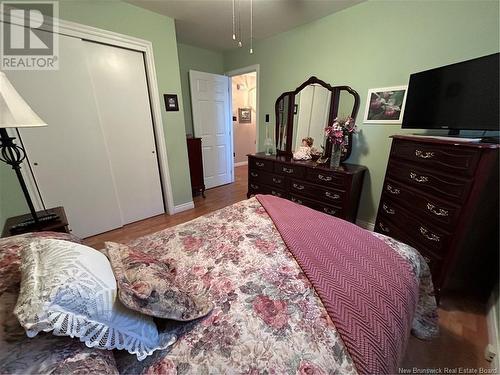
(59, 225)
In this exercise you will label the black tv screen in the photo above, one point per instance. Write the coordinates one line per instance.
(464, 96)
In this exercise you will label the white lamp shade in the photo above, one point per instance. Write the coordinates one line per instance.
(14, 111)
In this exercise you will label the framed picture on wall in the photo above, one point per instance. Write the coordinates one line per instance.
(244, 115)
(385, 105)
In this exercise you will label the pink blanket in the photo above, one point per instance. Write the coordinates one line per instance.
(367, 288)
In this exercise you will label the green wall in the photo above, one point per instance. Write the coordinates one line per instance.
(373, 44)
(195, 58)
(130, 20)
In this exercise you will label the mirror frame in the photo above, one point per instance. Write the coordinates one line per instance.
(334, 107)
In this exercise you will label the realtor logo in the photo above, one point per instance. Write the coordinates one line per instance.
(29, 35)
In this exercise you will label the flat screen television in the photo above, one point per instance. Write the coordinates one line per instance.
(461, 96)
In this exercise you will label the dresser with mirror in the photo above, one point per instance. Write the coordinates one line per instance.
(303, 114)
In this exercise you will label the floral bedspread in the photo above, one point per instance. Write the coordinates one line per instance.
(267, 316)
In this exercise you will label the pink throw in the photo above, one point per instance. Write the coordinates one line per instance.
(368, 289)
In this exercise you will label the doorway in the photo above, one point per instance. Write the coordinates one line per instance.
(244, 107)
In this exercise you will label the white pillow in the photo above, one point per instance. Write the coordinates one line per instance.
(69, 288)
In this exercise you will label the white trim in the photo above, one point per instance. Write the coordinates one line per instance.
(249, 69)
(93, 34)
(493, 334)
(241, 163)
(365, 224)
(183, 207)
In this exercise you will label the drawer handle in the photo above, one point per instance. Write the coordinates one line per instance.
(332, 196)
(287, 170)
(254, 174)
(383, 228)
(275, 193)
(324, 178)
(424, 155)
(298, 187)
(296, 200)
(437, 212)
(259, 164)
(254, 186)
(277, 180)
(392, 190)
(419, 179)
(329, 211)
(388, 210)
(427, 259)
(428, 235)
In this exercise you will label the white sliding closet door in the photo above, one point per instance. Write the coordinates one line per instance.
(119, 80)
(69, 157)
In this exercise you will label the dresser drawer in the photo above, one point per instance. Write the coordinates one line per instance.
(454, 160)
(317, 192)
(433, 183)
(325, 208)
(441, 212)
(319, 176)
(289, 170)
(267, 178)
(261, 164)
(260, 188)
(413, 230)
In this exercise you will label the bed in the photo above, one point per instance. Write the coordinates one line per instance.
(268, 314)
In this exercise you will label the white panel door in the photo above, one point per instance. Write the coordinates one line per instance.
(119, 79)
(211, 122)
(69, 157)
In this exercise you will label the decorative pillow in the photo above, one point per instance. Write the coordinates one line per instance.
(147, 285)
(69, 289)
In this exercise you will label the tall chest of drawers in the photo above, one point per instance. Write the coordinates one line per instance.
(441, 197)
(335, 192)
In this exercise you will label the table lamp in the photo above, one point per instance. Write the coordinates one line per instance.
(16, 113)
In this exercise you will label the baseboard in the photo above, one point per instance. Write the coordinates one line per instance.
(493, 334)
(241, 163)
(366, 224)
(183, 207)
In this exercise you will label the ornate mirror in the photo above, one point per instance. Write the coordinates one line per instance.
(306, 111)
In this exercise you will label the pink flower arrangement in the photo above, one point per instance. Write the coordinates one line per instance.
(340, 129)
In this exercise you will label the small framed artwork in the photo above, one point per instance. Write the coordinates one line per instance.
(385, 105)
(171, 102)
(244, 115)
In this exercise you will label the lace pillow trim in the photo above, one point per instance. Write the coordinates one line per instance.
(61, 282)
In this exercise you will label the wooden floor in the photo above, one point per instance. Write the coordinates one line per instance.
(463, 336)
(216, 198)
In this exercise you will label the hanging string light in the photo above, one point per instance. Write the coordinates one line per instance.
(251, 26)
(234, 24)
(240, 44)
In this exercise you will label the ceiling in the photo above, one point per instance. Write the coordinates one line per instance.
(208, 23)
